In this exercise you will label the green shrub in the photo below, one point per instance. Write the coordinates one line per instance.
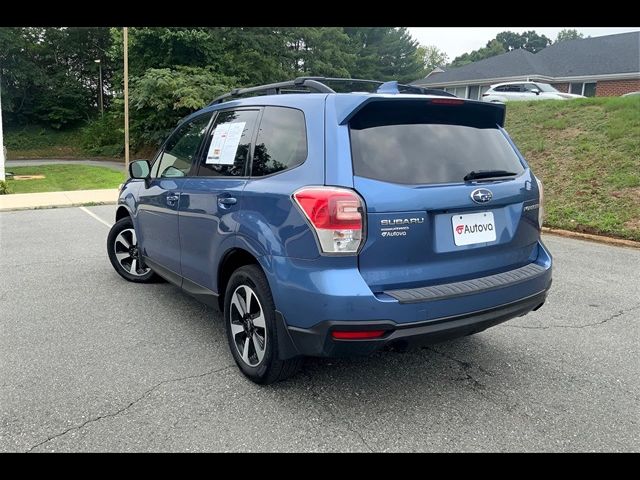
(4, 188)
(103, 136)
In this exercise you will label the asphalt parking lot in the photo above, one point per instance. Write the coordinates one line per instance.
(89, 362)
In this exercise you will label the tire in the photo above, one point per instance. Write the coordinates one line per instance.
(245, 337)
(122, 249)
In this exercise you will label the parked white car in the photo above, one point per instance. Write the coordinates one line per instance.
(511, 91)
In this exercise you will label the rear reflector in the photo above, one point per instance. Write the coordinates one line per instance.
(336, 215)
(361, 335)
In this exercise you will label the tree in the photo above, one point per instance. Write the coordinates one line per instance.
(493, 48)
(162, 96)
(49, 75)
(530, 41)
(505, 42)
(385, 53)
(319, 51)
(568, 34)
(432, 57)
(19, 72)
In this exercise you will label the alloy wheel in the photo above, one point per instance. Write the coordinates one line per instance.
(126, 251)
(248, 326)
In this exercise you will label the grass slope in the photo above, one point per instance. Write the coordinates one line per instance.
(37, 142)
(587, 153)
(59, 178)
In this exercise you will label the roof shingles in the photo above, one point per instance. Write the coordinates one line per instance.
(609, 54)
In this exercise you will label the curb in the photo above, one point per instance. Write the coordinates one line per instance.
(66, 205)
(619, 242)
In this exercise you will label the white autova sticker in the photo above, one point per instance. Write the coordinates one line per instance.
(224, 144)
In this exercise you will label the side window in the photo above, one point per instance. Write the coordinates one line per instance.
(530, 86)
(589, 89)
(281, 141)
(502, 88)
(575, 88)
(182, 147)
(228, 146)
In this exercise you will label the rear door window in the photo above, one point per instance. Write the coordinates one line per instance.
(417, 143)
(228, 147)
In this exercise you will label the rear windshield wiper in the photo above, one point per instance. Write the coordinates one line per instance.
(473, 175)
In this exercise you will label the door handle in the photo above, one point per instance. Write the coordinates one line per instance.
(227, 201)
(172, 199)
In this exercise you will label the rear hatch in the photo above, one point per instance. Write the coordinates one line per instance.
(426, 223)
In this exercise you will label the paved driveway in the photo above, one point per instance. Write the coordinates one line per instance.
(89, 362)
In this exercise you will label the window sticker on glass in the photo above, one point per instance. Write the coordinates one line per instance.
(224, 143)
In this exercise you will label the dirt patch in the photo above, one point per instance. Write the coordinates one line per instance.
(633, 193)
(633, 224)
(563, 133)
(28, 177)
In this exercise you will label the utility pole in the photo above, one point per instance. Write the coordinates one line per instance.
(126, 99)
(2, 159)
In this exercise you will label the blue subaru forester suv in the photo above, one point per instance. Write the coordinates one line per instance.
(329, 224)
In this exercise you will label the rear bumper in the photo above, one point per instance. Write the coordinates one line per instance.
(318, 341)
(313, 300)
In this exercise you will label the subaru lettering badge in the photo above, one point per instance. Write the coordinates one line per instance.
(481, 195)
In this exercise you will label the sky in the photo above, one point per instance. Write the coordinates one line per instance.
(455, 41)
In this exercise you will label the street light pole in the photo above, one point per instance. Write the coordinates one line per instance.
(126, 99)
(101, 99)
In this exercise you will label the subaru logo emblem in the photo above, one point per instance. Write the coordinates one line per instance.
(481, 195)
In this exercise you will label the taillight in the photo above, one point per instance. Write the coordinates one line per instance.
(336, 215)
(485, 94)
(540, 202)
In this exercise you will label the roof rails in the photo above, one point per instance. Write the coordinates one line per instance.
(318, 85)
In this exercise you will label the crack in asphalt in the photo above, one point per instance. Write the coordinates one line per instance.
(316, 397)
(466, 366)
(546, 327)
(124, 409)
(483, 390)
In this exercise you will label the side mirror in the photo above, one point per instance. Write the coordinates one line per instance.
(536, 91)
(139, 169)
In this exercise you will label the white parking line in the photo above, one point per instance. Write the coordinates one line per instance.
(88, 212)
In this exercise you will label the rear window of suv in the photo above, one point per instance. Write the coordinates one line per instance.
(414, 142)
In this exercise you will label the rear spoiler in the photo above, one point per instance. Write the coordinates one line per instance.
(348, 107)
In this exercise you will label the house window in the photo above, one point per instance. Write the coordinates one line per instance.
(576, 88)
(586, 89)
(589, 89)
(460, 92)
(474, 91)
